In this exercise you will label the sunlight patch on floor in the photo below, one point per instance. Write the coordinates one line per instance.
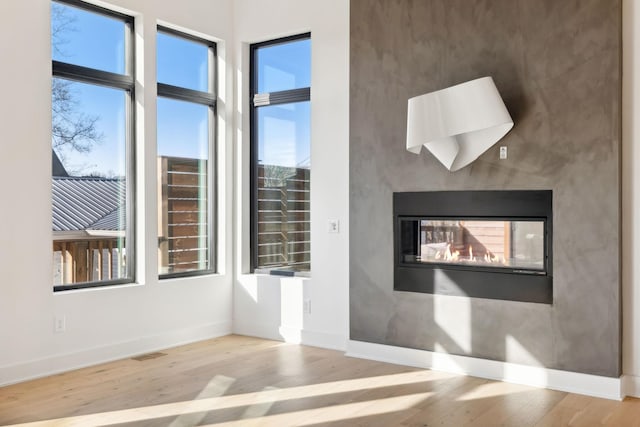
(492, 389)
(218, 386)
(334, 413)
(260, 402)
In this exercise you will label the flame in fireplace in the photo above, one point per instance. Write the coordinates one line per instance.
(451, 255)
(448, 255)
(494, 259)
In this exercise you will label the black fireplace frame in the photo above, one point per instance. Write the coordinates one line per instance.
(475, 281)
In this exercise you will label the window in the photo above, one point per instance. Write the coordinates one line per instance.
(281, 155)
(186, 125)
(92, 146)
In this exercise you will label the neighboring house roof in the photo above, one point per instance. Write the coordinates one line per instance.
(57, 166)
(111, 221)
(83, 203)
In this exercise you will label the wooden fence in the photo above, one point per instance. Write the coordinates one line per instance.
(183, 243)
(77, 261)
(284, 226)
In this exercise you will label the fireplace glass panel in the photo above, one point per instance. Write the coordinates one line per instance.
(513, 245)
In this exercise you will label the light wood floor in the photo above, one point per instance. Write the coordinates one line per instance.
(241, 381)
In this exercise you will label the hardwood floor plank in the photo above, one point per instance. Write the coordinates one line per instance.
(244, 381)
(576, 410)
(626, 414)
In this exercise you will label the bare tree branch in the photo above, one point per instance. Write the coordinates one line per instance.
(72, 129)
(62, 23)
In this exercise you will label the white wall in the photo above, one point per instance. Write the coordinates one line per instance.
(631, 194)
(256, 307)
(104, 323)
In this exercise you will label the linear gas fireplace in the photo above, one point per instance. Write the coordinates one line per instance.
(486, 244)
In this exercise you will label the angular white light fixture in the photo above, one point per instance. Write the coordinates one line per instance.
(459, 123)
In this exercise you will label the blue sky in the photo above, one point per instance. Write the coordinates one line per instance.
(96, 41)
(284, 135)
(284, 130)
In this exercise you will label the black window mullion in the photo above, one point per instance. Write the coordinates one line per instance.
(91, 75)
(184, 94)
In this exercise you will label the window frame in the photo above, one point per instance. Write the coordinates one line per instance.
(125, 82)
(208, 99)
(257, 100)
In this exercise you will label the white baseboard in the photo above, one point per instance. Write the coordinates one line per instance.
(631, 385)
(290, 335)
(324, 340)
(58, 363)
(590, 385)
(313, 338)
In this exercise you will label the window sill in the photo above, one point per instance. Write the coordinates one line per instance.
(187, 274)
(282, 273)
(94, 288)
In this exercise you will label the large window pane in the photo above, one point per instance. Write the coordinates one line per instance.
(284, 135)
(183, 177)
(89, 183)
(182, 62)
(92, 175)
(283, 186)
(281, 154)
(283, 66)
(185, 120)
(88, 39)
(99, 112)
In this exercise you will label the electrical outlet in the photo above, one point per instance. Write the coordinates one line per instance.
(307, 306)
(60, 324)
(333, 226)
(503, 152)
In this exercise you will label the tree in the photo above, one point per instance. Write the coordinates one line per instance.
(71, 128)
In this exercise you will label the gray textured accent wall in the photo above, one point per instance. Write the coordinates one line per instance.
(557, 65)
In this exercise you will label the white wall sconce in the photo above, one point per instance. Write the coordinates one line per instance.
(459, 123)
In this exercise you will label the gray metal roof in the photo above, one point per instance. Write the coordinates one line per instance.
(81, 203)
(112, 221)
(56, 165)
